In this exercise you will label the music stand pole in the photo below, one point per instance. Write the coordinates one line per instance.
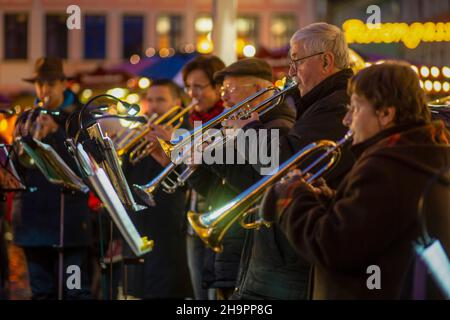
(61, 248)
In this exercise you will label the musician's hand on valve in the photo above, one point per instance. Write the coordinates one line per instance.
(157, 153)
(45, 125)
(321, 188)
(279, 196)
(162, 132)
(240, 123)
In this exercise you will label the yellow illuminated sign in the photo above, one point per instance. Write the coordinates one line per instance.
(356, 31)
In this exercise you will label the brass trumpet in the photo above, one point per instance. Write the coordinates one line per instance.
(135, 144)
(194, 139)
(212, 227)
(241, 110)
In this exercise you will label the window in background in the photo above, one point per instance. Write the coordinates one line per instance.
(16, 35)
(247, 30)
(95, 37)
(133, 35)
(282, 27)
(169, 29)
(56, 35)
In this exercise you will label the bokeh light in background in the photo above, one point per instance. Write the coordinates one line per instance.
(135, 58)
(446, 87)
(119, 93)
(249, 51)
(132, 98)
(150, 52)
(446, 72)
(424, 71)
(3, 125)
(144, 83)
(437, 86)
(434, 71)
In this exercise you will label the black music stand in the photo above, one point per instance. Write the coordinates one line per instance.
(102, 185)
(104, 189)
(56, 171)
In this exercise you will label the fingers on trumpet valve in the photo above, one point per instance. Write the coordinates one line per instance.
(318, 186)
(292, 176)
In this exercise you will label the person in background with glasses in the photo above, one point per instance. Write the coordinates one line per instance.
(319, 61)
(372, 218)
(200, 85)
(198, 77)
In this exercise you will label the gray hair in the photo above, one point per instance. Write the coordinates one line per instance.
(321, 36)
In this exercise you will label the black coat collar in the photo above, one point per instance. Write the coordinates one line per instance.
(337, 81)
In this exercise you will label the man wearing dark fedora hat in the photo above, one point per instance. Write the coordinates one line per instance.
(36, 214)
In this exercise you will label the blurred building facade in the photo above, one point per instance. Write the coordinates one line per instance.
(113, 31)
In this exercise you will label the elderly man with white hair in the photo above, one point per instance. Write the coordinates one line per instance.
(319, 61)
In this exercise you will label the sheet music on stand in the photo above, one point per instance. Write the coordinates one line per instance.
(53, 166)
(10, 179)
(104, 189)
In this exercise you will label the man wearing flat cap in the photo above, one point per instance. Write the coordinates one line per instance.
(36, 217)
(239, 80)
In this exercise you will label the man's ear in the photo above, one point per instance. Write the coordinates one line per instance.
(328, 61)
(387, 116)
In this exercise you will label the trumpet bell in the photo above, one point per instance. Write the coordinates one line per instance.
(208, 235)
(145, 194)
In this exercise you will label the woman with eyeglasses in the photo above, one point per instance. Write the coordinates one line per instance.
(198, 77)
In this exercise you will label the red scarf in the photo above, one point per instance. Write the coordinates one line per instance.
(208, 115)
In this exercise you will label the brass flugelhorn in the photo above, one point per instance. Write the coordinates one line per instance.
(136, 145)
(241, 110)
(194, 139)
(212, 227)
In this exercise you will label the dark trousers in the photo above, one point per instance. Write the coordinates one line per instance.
(196, 251)
(43, 269)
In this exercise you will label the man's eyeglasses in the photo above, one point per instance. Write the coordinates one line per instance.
(231, 89)
(196, 87)
(293, 63)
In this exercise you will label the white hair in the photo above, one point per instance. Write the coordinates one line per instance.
(321, 36)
